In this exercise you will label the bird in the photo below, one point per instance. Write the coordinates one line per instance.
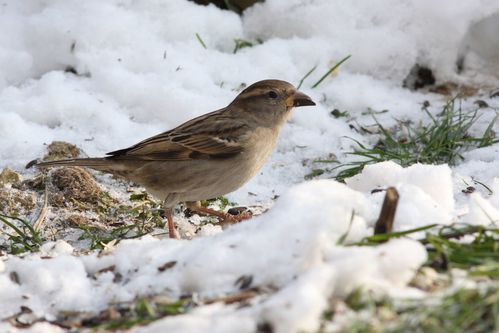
(207, 156)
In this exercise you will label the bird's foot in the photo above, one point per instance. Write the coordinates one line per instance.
(172, 232)
(234, 215)
(237, 214)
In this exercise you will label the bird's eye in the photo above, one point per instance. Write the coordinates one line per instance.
(272, 94)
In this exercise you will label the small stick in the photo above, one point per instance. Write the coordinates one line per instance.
(384, 224)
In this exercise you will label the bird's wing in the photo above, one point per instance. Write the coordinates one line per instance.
(214, 135)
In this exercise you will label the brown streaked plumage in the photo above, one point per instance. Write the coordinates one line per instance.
(207, 156)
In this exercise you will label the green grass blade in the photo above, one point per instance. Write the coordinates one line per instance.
(331, 70)
(306, 75)
(201, 41)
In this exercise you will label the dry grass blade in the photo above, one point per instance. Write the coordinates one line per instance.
(234, 298)
(38, 223)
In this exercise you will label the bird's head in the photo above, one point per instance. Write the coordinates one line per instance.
(270, 100)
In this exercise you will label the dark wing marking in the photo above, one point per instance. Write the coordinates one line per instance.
(214, 135)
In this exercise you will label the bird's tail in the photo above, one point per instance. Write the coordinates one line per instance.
(94, 163)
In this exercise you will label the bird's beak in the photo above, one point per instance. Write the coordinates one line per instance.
(299, 99)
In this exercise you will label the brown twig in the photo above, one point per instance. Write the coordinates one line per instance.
(384, 224)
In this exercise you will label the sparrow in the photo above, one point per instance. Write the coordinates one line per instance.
(208, 156)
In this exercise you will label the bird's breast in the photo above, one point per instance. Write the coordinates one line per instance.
(260, 146)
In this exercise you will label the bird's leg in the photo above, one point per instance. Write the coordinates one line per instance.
(225, 218)
(171, 226)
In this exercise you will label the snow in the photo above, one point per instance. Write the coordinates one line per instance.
(142, 71)
(297, 238)
(422, 31)
(420, 197)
